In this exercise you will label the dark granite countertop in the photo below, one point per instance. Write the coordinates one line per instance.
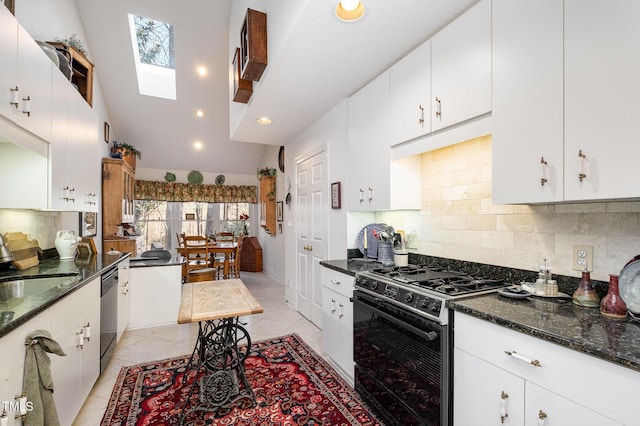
(350, 266)
(142, 262)
(59, 279)
(561, 322)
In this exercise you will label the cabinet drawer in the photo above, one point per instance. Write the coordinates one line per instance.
(337, 281)
(579, 377)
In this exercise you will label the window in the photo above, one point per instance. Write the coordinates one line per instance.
(160, 221)
(153, 44)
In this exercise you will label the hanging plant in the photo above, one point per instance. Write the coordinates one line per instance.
(266, 171)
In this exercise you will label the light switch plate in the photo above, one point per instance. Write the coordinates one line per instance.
(582, 256)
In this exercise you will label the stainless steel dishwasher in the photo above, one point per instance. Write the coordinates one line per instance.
(108, 315)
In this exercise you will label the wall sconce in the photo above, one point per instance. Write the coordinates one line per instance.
(544, 175)
(581, 165)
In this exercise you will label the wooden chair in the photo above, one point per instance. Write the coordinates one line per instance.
(198, 259)
(225, 236)
(234, 267)
(180, 238)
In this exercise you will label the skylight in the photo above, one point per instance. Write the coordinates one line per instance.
(152, 42)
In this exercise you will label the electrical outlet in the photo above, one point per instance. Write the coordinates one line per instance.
(582, 257)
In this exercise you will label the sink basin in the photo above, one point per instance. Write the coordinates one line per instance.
(31, 286)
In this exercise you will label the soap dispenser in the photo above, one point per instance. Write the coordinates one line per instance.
(585, 295)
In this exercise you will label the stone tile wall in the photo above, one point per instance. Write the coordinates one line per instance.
(459, 221)
(37, 224)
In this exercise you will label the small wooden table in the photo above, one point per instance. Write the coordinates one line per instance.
(222, 344)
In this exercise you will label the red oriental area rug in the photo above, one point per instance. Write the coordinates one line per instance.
(293, 385)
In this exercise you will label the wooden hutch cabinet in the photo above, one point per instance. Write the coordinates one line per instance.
(117, 204)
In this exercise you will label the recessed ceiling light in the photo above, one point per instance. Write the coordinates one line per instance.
(197, 145)
(263, 120)
(202, 71)
(350, 10)
(199, 113)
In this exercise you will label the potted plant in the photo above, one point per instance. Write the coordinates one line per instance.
(266, 171)
(127, 152)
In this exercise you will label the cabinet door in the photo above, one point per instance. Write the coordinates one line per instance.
(337, 330)
(124, 274)
(410, 95)
(461, 68)
(527, 115)
(90, 355)
(549, 409)
(485, 394)
(60, 150)
(9, 68)
(602, 98)
(34, 80)
(84, 164)
(369, 146)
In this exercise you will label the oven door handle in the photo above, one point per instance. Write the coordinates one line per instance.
(429, 336)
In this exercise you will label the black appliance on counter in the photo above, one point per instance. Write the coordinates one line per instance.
(108, 315)
(403, 342)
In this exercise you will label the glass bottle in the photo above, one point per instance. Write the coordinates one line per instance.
(585, 295)
(612, 304)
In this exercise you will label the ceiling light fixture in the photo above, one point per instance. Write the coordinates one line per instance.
(197, 145)
(202, 71)
(263, 120)
(199, 113)
(350, 10)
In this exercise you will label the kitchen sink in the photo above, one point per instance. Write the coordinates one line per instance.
(20, 288)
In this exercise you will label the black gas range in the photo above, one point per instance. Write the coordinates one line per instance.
(424, 289)
(403, 341)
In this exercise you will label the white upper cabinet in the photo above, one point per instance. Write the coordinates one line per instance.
(34, 82)
(527, 101)
(73, 153)
(566, 92)
(602, 98)
(461, 68)
(9, 68)
(376, 182)
(410, 95)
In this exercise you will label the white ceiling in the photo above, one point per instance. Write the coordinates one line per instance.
(320, 63)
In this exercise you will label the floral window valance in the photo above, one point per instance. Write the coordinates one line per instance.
(173, 191)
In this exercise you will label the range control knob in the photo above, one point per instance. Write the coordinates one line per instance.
(434, 307)
(373, 285)
(408, 297)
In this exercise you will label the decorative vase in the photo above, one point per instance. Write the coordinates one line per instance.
(585, 295)
(66, 243)
(385, 253)
(612, 304)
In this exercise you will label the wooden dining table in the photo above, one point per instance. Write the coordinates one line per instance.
(225, 248)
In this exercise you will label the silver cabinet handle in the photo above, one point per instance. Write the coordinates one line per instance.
(341, 310)
(503, 406)
(439, 108)
(421, 116)
(333, 305)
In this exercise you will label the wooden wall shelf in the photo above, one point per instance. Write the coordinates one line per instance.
(82, 68)
(253, 45)
(268, 204)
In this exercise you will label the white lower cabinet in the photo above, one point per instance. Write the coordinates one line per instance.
(337, 320)
(567, 387)
(75, 374)
(154, 293)
(124, 276)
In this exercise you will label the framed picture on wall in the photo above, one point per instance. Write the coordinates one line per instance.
(279, 211)
(335, 195)
(88, 224)
(11, 5)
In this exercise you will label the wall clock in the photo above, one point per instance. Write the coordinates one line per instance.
(281, 159)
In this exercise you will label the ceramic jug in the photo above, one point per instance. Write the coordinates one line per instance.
(66, 244)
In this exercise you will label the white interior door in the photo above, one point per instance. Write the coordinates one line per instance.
(311, 238)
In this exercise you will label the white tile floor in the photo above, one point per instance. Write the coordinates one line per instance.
(174, 340)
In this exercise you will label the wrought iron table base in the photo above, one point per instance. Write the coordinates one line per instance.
(221, 348)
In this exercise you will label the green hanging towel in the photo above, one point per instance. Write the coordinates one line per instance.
(38, 382)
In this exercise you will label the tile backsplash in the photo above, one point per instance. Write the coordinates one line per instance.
(37, 224)
(459, 221)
